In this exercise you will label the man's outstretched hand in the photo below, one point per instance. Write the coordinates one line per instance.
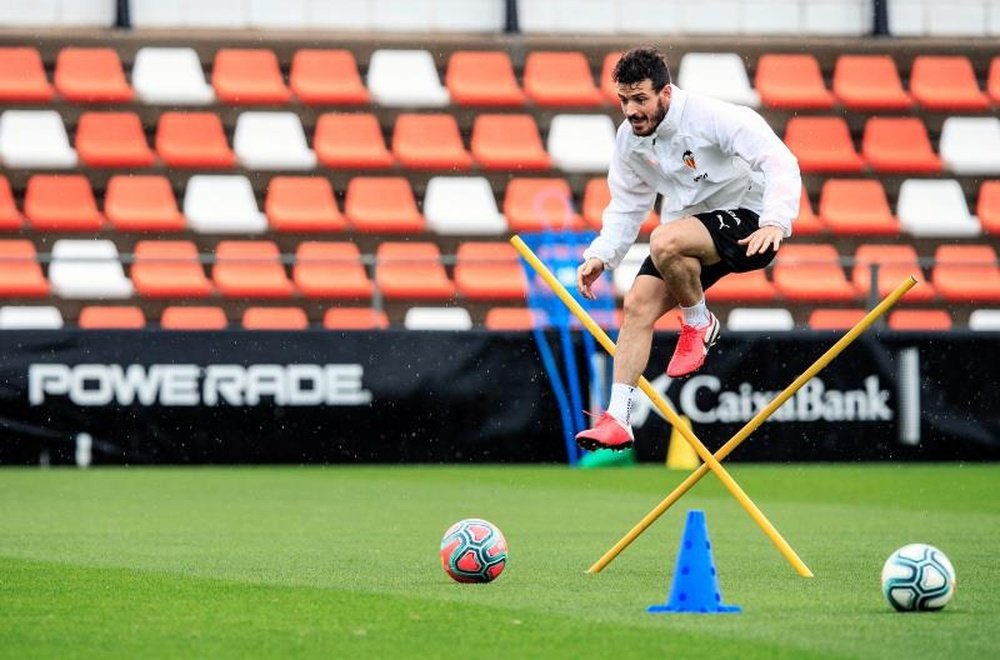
(586, 275)
(763, 239)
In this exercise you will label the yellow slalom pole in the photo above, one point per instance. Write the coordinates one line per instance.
(667, 411)
(755, 422)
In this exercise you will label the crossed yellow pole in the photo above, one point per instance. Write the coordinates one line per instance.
(711, 462)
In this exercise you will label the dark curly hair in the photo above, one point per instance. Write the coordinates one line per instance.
(639, 64)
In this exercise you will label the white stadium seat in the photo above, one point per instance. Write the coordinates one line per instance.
(971, 145)
(35, 139)
(935, 208)
(42, 317)
(272, 141)
(170, 76)
(223, 204)
(405, 78)
(985, 320)
(462, 205)
(88, 269)
(759, 319)
(581, 143)
(719, 75)
(437, 318)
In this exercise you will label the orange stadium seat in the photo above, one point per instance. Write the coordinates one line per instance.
(112, 139)
(103, 317)
(966, 273)
(508, 142)
(355, 318)
(869, 82)
(193, 140)
(597, 196)
(988, 207)
(22, 76)
(142, 203)
(20, 273)
(193, 318)
(898, 144)
(895, 264)
(489, 271)
(248, 76)
(811, 273)
(607, 85)
(275, 318)
(920, 319)
(532, 204)
(429, 141)
(807, 223)
(670, 322)
(10, 218)
(743, 287)
(555, 79)
(514, 318)
(822, 144)
(482, 78)
(302, 204)
(61, 202)
(411, 270)
(382, 204)
(91, 75)
(351, 141)
(788, 81)
(946, 83)
(835, 319)
(250, 269)
(993, 80)
(330, 270)
(169, 269)
(856, 206)
(327, 77)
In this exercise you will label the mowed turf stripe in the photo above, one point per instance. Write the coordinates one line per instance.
(54, 610)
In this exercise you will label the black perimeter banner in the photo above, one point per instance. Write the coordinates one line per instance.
(401, 396)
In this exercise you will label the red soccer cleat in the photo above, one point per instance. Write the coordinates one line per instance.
(692, 346)
(608, 433)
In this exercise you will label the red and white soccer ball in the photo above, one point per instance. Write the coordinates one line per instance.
(473, 550)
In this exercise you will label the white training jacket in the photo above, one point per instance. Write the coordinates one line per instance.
(705, 155)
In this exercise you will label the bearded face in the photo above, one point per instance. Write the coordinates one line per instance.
(643, 107)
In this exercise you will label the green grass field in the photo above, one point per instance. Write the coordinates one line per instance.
(342, 562)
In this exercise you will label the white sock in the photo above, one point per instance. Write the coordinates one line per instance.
(696, 315)
(622, 400)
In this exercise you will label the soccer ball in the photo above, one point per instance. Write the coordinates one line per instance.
(473, 550)
(917, 578)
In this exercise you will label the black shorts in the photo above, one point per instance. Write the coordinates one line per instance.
(727, 227)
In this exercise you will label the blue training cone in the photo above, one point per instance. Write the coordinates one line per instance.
(696, 584)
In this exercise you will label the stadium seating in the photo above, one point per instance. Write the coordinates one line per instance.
(330, 270)
(489, 271)
(822, 144)
(946, 83)
(898, 144)
(10, 217)
(327, 77)
(355, 318)
(88, 269)
(834, 319)
(142, 203)
(895, 263)
(194, 140)
(920, 319)
(719, 75)
(855, 207)
(35, 139)
(462, 205)
(811, 272)
(437, 318)
(581, 143)
(935, 208)
(483, 78)
(993, 82)
(20, 273)
(302, 204)
(560, 79)
(193, 318)
(508, 142)
(405, 78)
(514, 318)
(984, 320)
(222, 205)
(759, 319)
(61, 202)
(412, 271)
(382, 205)
(752, 286)
(787, 81)
(169, 269)
(91, 75)
(103, 317)
(275, 318)
(540, 204)
(597, 196)
(22, 76)
(248, 76)
(350, 141)
(971, 145)
(250, 269)
(170, 76)
(27, 317)
(272, 141)
(869, 82)
(988, 207)
(429, 141)
(112, 139)
(966, 273)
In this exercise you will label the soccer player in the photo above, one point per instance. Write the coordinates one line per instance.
(731, 190)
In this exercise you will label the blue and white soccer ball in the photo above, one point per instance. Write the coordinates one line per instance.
(918, 578)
